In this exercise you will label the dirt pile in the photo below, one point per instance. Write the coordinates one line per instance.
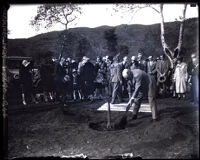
(164, 129)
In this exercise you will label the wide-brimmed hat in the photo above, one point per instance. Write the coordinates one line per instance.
(25, 63)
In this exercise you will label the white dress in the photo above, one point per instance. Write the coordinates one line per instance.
(180, 77)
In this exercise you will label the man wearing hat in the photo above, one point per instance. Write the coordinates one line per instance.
(125, 65)
(108, 86)
(193, 70)
(76, 85)
(116, 79)
(59, 77)
(87, 76)
(142, 63)
(162, 68)
(133, 59)
(151, 67)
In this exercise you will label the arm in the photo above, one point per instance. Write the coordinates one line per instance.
(136, 86)
(154, 69)
(119, 72)
(157, 68)
(166, 68)
(186, 73)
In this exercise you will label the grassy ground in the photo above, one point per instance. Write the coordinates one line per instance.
(66, 132)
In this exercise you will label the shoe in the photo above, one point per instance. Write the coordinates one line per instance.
(134, 117)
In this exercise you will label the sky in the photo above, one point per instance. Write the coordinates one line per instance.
(94, 15)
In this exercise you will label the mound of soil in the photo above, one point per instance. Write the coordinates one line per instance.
(81, 129)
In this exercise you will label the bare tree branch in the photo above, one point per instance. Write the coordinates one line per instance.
(55, 13)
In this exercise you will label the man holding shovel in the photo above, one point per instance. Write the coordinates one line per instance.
(143, 85)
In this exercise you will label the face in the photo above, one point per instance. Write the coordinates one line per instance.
(194, 59)
(178, 61)
(108, 62)
(161, 57)
(62, 60)
(69, 59)
(125, 59)
(139, 57)
(98, 59)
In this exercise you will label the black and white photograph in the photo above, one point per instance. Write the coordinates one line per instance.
(101, 80)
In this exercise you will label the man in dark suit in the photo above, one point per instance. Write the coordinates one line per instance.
(59, 80)
(87, 76)
(125, 64)
(162, 68)
(151, 67)
(142, 62)
(116, 79)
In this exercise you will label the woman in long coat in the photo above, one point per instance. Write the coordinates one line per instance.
(26, 81)
(180, 77)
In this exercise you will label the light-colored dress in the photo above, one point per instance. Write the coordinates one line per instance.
(180, 77)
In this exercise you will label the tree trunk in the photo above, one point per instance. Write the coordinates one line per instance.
(166, 49)
(108, 116)
(66, 26)
(177, 50)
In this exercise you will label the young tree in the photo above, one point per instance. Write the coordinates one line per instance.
(65, 44)
(83, 47)
(124, 50)
(171, 54)
(50, 14)
(111, 38)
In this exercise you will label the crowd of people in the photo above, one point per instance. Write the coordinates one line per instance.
(68, 79)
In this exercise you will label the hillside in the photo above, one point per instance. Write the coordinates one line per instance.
(138, 38)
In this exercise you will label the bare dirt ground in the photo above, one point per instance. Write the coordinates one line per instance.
(65, 131)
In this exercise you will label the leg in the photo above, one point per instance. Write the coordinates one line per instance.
(50, 95)
(137, 104)
(79, 94)
(23, 99)
(136, 108)
(74, 94)
(45, 96)
(119, 93)
(179, 95)
(196, 89)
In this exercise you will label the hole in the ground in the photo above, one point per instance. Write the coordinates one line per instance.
(102, 126)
